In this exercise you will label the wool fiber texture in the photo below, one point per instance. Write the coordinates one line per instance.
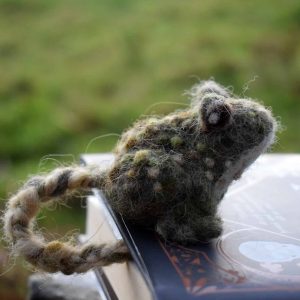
(169, 175)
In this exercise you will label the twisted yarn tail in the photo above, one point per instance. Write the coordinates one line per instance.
(56, 256)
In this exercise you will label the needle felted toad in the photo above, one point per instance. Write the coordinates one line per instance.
(169, 174)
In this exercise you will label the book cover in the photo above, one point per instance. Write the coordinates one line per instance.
(258, 255)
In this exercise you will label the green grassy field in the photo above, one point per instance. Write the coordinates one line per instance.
(71, 71)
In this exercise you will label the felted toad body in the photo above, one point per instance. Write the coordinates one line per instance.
(169, 174)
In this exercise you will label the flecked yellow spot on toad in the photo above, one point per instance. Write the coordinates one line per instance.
(200, 147)
(176, 141)
(141, 156)
(130, 173)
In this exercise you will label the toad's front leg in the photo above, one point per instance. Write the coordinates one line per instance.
(189, 229)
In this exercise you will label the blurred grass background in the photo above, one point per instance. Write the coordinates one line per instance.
(73, 70)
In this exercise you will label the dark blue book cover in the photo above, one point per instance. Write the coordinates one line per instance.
(258, 255)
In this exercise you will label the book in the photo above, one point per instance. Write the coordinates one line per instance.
(118, 281)
(257, 256)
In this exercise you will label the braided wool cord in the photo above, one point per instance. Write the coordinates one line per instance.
(56, 256)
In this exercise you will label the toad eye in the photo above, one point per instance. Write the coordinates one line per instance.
(215, 112)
